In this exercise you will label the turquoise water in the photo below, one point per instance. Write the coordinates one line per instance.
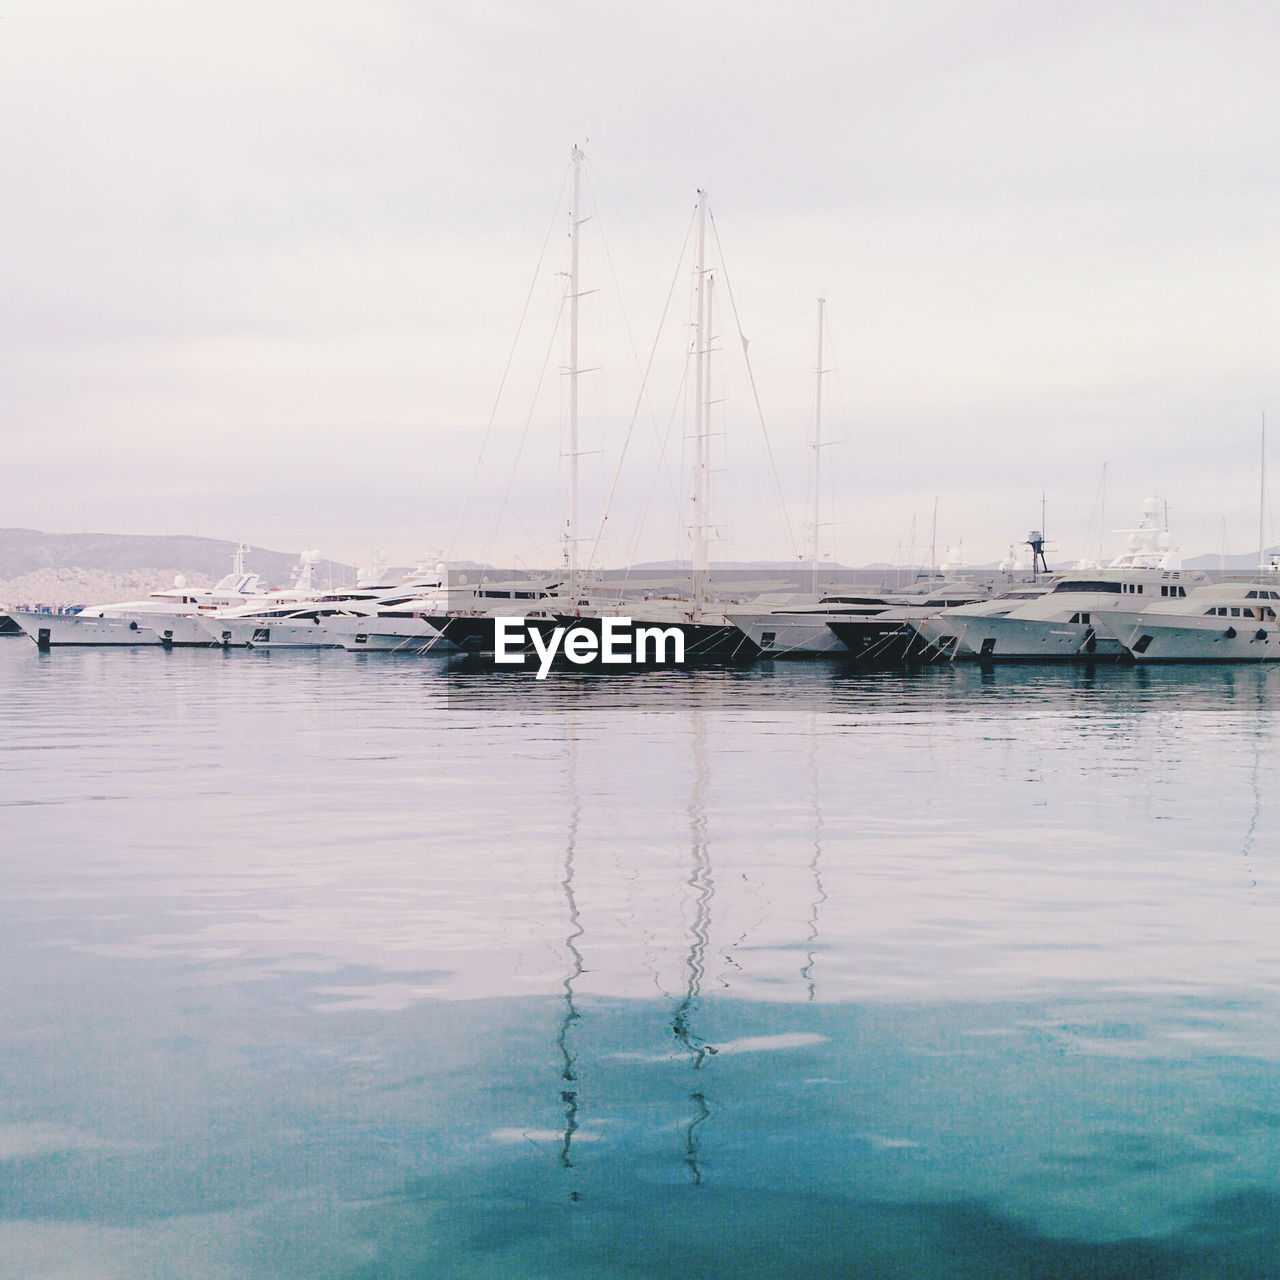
(322, 965)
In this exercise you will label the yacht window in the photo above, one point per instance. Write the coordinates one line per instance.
(1250, 595)
(1090, 584)
(1235, 613)
(1269, 614)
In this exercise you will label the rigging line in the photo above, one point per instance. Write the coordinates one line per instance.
(524, 436)
(681, 391)
(600, 181)
(635, 413)
(506, 369)
(755, 394)
(643, 371)
(679, 403)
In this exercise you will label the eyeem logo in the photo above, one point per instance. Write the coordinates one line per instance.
(616, 642)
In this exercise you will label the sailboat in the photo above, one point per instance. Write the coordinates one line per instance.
(708, 633)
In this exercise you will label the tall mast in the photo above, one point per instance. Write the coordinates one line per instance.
(1262, 496)
(815, 497)
(702, 408)
(571, 527)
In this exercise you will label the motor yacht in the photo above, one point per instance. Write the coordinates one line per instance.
(168, 617)
(1073, 618)
(1221, 622)
(795, 625)
(947, 632)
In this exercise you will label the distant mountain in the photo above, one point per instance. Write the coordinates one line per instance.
(79, 568)
(1237, 563)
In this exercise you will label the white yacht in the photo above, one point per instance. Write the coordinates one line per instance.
(1222, 622)
(784, 626)
(947, 632)
(303, 618)
(168, 617)
(1072, 620)
(398, 626)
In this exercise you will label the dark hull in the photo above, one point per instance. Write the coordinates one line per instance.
(703, 641)
(884, 643)
(475, 635)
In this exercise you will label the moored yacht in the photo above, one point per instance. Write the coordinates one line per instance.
(1072, 620)
(168, 617)
(947, 632)
(1222, 622)
(794, 625)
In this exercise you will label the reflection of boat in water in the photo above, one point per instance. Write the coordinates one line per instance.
(1225, 622)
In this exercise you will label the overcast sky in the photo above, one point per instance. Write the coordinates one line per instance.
(263, 264)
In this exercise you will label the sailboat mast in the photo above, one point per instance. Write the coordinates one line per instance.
(575, 222)
(1262, 496)
(815, 497)
(702, 391)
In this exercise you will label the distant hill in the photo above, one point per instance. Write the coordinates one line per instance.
(81, 568)
(1237, 563)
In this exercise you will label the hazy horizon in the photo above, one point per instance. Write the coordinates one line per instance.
(266, 266)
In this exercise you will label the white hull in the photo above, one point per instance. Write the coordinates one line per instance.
(1204, 639)
(179, 630)
(48, 629)
(1024, 639)
(266, 633)
(781, 635)
(386, 635)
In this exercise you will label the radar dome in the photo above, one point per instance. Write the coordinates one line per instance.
(180, 580)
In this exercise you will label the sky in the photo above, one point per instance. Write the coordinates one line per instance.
(293, 272)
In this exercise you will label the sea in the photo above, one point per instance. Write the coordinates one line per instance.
(329, 966)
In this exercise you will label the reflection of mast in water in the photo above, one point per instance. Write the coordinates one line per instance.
(695, 965)
(568, 1057)
(815, 869)
(1251, 831)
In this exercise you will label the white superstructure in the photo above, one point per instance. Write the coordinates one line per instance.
(168, 617)
(1223, 622)
(1073, 619)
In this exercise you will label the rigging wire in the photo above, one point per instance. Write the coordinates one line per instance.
(635, 413)
(642, 371)
(755, 394)
(506, 370)
(505, 505)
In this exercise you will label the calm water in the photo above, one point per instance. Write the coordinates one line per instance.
(329, 966)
